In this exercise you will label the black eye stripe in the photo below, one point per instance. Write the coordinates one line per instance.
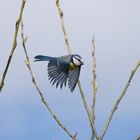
(77, 58)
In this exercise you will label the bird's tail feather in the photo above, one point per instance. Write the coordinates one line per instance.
(42, 58)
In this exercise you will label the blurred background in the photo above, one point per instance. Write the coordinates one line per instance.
(116, 28)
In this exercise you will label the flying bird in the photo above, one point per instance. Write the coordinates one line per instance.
(62, 69)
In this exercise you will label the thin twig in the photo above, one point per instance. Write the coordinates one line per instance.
(94, 87)
(87, 110)
(38, 89)
(119, 99)
(14, 44)
(69, 51)
(63, 27)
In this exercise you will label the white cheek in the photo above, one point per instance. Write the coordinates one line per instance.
(76, 62)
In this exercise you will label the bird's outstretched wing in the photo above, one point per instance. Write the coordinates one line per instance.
(73, 78)
(58, 72)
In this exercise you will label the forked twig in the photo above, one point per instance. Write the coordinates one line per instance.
(69, 51)
(38, 89)
(87, 110)
(119, 99)
(14, 44)
(94, 87)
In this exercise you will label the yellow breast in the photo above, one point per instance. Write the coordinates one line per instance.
(72, 66)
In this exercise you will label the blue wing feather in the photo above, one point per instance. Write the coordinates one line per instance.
(58, 72)
(73, 78)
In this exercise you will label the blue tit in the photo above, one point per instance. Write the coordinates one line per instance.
(62, 68)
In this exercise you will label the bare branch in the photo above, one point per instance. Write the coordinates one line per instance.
(14, 44)
(69, 51)
(94, 87)
(44, 101)
(63, 27)
(87, 110)
(119, 99)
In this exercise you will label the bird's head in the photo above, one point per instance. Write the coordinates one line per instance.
(77, 60)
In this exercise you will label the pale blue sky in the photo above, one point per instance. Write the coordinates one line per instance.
(115, 24)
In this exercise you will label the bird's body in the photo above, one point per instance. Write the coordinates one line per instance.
(62, 68)
(72, 66)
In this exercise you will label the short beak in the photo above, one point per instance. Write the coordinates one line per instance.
(82, 63)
